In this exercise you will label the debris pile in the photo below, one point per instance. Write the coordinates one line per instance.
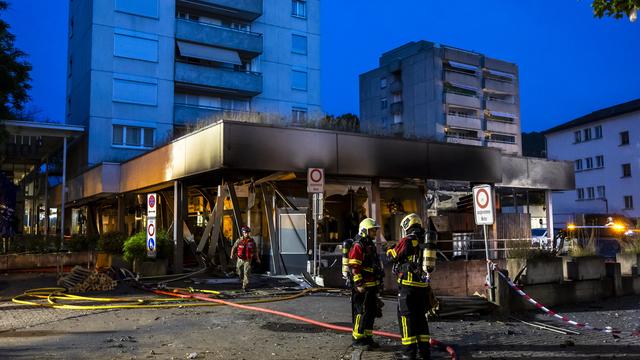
(83, 280)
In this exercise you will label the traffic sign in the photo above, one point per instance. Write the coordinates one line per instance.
(483, 204)
(315, 180)
(152, 201)
(151, 238)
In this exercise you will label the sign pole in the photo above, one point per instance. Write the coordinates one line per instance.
(486, 252)
(315, 233)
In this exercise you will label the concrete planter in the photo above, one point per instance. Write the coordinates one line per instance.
(538, 271)
(151, 268)
(628, 263)
(51, 260)
(584, 268)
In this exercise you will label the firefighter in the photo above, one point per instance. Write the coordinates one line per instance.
(366, 273)
(245, 250)
(413, 260)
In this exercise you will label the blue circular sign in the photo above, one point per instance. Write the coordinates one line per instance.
(151, 244)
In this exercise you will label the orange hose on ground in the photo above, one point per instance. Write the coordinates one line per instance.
(432, 341)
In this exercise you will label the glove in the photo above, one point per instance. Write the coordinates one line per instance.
(360, 289)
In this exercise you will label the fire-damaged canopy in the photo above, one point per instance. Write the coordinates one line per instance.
(255, 147)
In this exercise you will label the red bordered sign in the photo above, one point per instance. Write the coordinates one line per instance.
(483, 204)
(315, 180)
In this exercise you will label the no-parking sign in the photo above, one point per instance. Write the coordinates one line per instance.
(483, 204)
(315, 180)
(152, 244)
(152, 201)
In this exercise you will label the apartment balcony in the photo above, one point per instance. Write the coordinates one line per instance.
(247, 10)
(218, 79)
(243, 41)
(462, 100)
(396, 107)
(499, 86)
(184, 114)
(501, 106)
(454, 77)
(502, 127)
(510, 148)
(395, 87)
(463, 140)
(465, 122)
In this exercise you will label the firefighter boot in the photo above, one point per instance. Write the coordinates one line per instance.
(407, 353)
(371, 344)
(424, 353)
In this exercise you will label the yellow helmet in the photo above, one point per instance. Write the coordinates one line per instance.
(409, 221)
(365, 225)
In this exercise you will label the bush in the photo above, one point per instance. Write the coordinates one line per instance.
(135, 247)
(112, 242)
(34, 243)
(79, 242)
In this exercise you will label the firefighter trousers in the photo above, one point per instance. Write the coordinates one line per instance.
(363, 314)
(243, 267)
(414, 329)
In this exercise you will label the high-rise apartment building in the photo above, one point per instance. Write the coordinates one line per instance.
(142, 71)
(442, 93)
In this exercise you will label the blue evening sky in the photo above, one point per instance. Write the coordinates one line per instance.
(570, 63)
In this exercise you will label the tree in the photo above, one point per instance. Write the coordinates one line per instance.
(616, 8)
(344, 122)
(14, 73)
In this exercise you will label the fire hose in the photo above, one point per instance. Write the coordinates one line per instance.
(432, 341)
(54, 295)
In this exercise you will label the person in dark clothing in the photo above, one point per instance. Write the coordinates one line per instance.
(366, 272)
(413, 260)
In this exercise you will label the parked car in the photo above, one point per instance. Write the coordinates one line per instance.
(539, 238)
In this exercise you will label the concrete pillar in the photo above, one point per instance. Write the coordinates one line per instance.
(614, 272)
(179, 212)
(120, 215)
(503, 294)
(548, 203)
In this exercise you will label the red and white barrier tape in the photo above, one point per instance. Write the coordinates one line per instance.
(608, 329)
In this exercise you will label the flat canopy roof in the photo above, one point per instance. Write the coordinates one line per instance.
(231, 145)
(30, 142)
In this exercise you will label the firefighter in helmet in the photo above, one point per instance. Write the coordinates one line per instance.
(366, 273)
(245, 250)
(413, 260)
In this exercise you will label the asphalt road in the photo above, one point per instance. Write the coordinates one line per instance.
(228, 333)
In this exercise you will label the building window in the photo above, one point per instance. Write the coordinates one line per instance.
(132, 136)
(591, 194)
(298, 115)
(628, 202)
(578, 164)
(298, 44)
(298, 80)
(624, 138)
(383, 103)
(601, 192)
(299, 8)
(626, 170)
(383, 83)
(587, 134)
(598, 131)
(589, 162)
(580, 193)
(578, 136)
(600, 161)
(503, 138)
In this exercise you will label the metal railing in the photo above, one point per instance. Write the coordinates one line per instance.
(459, 249)
(220, 26)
